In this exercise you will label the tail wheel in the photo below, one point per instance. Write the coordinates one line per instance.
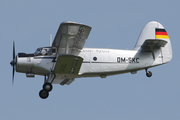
(43, 94)
(149, 74)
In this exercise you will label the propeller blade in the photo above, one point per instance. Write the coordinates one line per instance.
(13, 50)
(13, 62)
(13, 76)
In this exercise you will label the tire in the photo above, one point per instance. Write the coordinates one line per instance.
(43, 94)
(149, 74)
(47, 87)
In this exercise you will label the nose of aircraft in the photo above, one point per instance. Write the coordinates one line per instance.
(13, 63)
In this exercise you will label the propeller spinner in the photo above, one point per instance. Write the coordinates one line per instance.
(13, 62)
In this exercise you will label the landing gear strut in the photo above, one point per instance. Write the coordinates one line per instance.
(47, 87)
(148, 73)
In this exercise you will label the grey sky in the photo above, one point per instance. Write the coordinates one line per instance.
(115, 24)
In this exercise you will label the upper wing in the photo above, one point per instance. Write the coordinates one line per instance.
(71, 37)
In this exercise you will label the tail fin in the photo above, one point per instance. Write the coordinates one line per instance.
(156, 35)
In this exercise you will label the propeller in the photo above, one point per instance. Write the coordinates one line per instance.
(13, 62)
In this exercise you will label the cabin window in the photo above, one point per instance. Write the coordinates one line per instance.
(45, 51)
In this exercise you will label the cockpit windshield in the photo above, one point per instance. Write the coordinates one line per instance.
(44, 51)
(38, 51)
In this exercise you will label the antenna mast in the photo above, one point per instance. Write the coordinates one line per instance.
(50, 39)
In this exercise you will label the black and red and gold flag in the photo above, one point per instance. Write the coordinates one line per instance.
(161, 34)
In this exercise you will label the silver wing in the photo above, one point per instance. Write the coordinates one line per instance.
(71, 37)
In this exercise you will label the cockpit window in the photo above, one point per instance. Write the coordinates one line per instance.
(38, 51)
(44, 51)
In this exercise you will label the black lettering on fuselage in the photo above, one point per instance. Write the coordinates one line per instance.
(123, 60)
(127, 60)
(137, 60)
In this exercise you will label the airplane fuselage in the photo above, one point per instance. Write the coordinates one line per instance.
(97, 62)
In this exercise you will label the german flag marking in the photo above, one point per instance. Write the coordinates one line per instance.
(161, 34)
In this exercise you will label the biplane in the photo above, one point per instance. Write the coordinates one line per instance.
(67, 59)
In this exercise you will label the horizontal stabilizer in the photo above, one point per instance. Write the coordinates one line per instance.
(68, 64)
(154, 43)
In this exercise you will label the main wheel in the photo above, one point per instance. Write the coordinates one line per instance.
(47, 87)
(43, 94)
(149, 74)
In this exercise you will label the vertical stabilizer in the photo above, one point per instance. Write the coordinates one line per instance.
(154, 31)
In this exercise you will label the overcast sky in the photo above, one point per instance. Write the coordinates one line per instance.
(115, 24)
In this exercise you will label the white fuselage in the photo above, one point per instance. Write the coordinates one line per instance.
(96, 62)
(104, 62)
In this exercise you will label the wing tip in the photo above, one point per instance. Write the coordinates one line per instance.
(71, 22)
